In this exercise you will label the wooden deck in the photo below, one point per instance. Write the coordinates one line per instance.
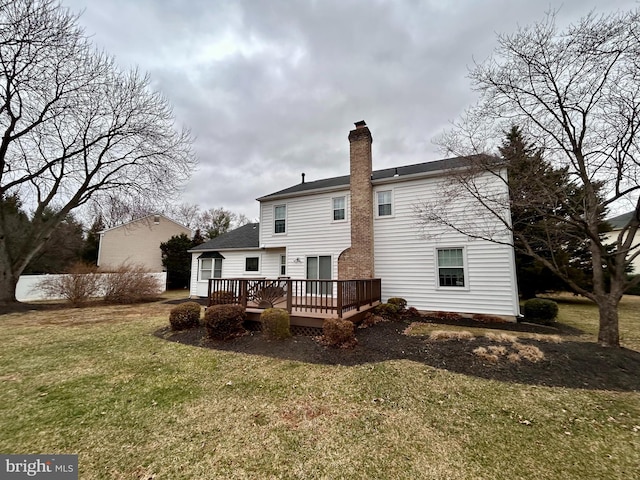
(308, 301)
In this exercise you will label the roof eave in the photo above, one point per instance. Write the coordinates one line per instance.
(313, 191)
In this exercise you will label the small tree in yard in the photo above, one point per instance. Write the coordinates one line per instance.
(577, 95)
(74, 129)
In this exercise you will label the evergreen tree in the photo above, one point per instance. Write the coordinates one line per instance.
(92, 242)
(542, 198)
(177, 260)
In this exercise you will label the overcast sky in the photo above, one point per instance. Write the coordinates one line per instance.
(270, 89)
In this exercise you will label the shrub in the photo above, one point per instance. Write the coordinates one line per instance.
(185, 315)
(131, 284)
(339, 333)
(412, 312)
(276, 323)
(79, 285)
(224, 321)
(222, 297)
(401, 303)
(370, 319)
(539, 310)
(386, 310)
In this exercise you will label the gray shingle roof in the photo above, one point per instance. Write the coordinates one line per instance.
(327, 183)
(620, 221)
(246, 236)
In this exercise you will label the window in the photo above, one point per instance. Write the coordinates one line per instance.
(280, 219)
(384, 203)
(210, 268)
(251, 264)
(283, 265)
(339, 212)
(451, 267)
(217, 268)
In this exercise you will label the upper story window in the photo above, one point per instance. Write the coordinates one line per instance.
(280, 219)
(384, 203)
(451, 267)
(339, 210)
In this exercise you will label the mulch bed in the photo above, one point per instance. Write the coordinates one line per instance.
(571, 364)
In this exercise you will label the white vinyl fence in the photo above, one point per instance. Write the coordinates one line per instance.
(27, 290)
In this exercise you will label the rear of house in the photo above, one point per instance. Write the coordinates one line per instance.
(364, 225)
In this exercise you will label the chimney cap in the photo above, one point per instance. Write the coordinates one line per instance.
(360, 124)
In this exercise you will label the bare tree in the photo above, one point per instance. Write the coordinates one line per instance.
(74, 128)
(575, 93)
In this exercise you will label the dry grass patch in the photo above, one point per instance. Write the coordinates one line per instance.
(501, 337)
(451, 335)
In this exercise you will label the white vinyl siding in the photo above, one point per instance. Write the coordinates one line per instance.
(311, 231)
(406, 260)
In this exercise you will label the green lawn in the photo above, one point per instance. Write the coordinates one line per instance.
(98, 383)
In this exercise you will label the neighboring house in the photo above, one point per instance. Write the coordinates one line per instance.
(363, 226)
(618, 224)
(138, 242)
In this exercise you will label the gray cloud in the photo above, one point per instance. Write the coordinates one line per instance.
(270, 89)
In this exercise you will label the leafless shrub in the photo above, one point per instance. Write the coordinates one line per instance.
(130, 284)
(79, 285)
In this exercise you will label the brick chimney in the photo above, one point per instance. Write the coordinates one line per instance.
(357, 261)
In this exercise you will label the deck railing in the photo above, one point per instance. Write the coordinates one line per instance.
(305, 295)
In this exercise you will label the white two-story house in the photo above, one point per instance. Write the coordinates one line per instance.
(363, 225)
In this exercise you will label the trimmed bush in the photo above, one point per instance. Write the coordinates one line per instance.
(222, 297)
(276, 323)
(339, 333)
(224, 321)
(386, 310)
(401, 303)
(185, 315)
(539, 310)
(131, 284)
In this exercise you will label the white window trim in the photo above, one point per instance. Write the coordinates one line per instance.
(346, 210)
(200, 260)
(465, 268)
(376, 206)
(253, 272)
(282, 264)
(286, 223)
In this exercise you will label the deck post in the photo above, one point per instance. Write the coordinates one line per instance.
(243, 292)
(209, 293)
(339, 299)
(289, 296)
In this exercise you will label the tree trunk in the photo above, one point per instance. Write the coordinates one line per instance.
(608, 334)
(8, 281)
